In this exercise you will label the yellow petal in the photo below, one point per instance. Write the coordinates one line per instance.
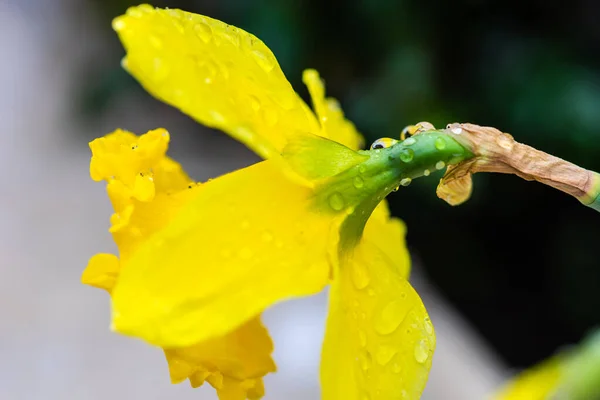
(234, 363)
(333, 124)
(387, 234)
(220, 75)
(379, 341)
(538, 383)
(245, 241)
(102, 271)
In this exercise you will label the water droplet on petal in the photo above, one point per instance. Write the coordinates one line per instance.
(385, 354)
(158, 69)
(336, 201)
(266, 236)
(254, 103)
(358, 182)
(407, 155)
(362, 336)
(405, 181)
(360, 275)
(232, 36)
(203, 31)
(266, 61)
(365, 360)
(211, 68)
(421, 351)
(428, 326)
(155, 41)
(125, 63)
(134, 12)
(118, 24)
(410, 141)
(440, 165)
(440, 143)
(216, 117)
(390, 317)
(362, 169)
(426, 172)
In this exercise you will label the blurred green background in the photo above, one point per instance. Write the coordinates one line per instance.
(519, 259)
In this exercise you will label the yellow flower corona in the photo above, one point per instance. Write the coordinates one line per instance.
(199, 262)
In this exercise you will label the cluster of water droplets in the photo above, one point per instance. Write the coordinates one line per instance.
(180, 25)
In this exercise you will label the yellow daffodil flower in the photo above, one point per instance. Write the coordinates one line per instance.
(199, 262)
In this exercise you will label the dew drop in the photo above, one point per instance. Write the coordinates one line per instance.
(155, 42)
(362, 169)
(232, 36)
(395, 189)
(360, 275)
(390, 317)
(216, 117)
(504, 142)
(266, 61)
(146, 8)
(426, 172)
(179, 26)
(118, 24)
(362, 336)
(254, 103)
(159, 70)
(266, 237)
(336, 201)
(421, 351)
(203, 31)
(410, 141)
(440, 143)
(440, 165)
(134, 12)
(405, 181)
(407, 155)
(428, 326)
(211, 68)
(365, 360)
(125, 63)
(358, 182)
(385, 354)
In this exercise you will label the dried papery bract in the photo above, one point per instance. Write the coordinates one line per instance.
(495, 151)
